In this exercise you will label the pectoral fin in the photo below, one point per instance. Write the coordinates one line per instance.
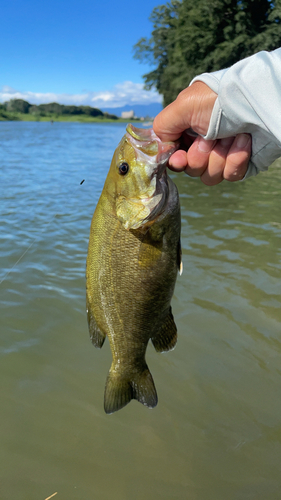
(131, 213)
(166, 337)
(96, 335)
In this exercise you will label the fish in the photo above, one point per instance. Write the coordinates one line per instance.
(134, 256)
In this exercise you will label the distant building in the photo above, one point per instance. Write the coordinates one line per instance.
(128, 114)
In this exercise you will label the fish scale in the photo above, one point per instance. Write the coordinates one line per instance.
(131, 271)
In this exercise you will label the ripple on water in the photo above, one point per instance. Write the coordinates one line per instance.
(216, 431)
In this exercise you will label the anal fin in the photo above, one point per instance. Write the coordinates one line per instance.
(96, 335)
(166, 338)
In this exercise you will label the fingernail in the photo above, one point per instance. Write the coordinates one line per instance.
(242, 140)
(205, 146)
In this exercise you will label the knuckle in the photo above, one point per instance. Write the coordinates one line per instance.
(180, 98)
(235, 172)
(236, 166)
(183, 93)
(235, 176)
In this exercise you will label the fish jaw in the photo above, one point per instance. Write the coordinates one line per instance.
(154, 151)
(153, 155)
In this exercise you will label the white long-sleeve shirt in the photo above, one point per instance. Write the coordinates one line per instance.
(249, 100)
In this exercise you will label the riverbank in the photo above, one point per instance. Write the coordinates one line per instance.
(62, 118)
(20, 110)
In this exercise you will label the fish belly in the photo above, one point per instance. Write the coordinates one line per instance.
(130, 282)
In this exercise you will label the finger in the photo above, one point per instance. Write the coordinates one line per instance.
(178, 161)
(217, 160)
(170, 123)
(192, 108)
(198, 156)
(238, 158)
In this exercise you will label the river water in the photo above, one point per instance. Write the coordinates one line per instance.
(216, 432)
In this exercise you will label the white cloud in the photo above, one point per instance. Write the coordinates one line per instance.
(121, 94)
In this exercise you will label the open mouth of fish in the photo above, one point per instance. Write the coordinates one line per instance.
(154, 153)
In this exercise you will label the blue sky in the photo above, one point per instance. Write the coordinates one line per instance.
(72, 51)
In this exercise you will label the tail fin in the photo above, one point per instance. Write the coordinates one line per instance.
(121, 388)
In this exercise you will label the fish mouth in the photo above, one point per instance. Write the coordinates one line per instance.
(145, 141)
(155, 154)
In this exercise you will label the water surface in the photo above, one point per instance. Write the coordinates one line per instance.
(216, 432)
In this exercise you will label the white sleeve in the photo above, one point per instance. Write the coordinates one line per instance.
(249, 100)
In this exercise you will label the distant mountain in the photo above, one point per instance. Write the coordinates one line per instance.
(140, 110)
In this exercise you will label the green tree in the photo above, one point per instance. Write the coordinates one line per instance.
(87, 110)
(17, 106)
(190, 38)
(46, 109)
(61, 109)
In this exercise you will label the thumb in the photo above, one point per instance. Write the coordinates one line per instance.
(192, 108)
(170, 123)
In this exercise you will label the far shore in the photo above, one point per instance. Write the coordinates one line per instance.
(21, 110)
(64, 118)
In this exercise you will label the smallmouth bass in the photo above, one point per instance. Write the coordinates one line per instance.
(133, 258)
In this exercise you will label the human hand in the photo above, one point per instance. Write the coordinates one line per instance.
(212, 161)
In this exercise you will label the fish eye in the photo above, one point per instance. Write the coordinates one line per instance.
(123, 168)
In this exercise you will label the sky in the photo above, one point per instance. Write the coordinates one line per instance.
(74, 51)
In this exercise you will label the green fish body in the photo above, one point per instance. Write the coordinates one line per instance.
(132, 264)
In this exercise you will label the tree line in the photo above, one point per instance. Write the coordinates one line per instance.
(53, 108)
(189, 38)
